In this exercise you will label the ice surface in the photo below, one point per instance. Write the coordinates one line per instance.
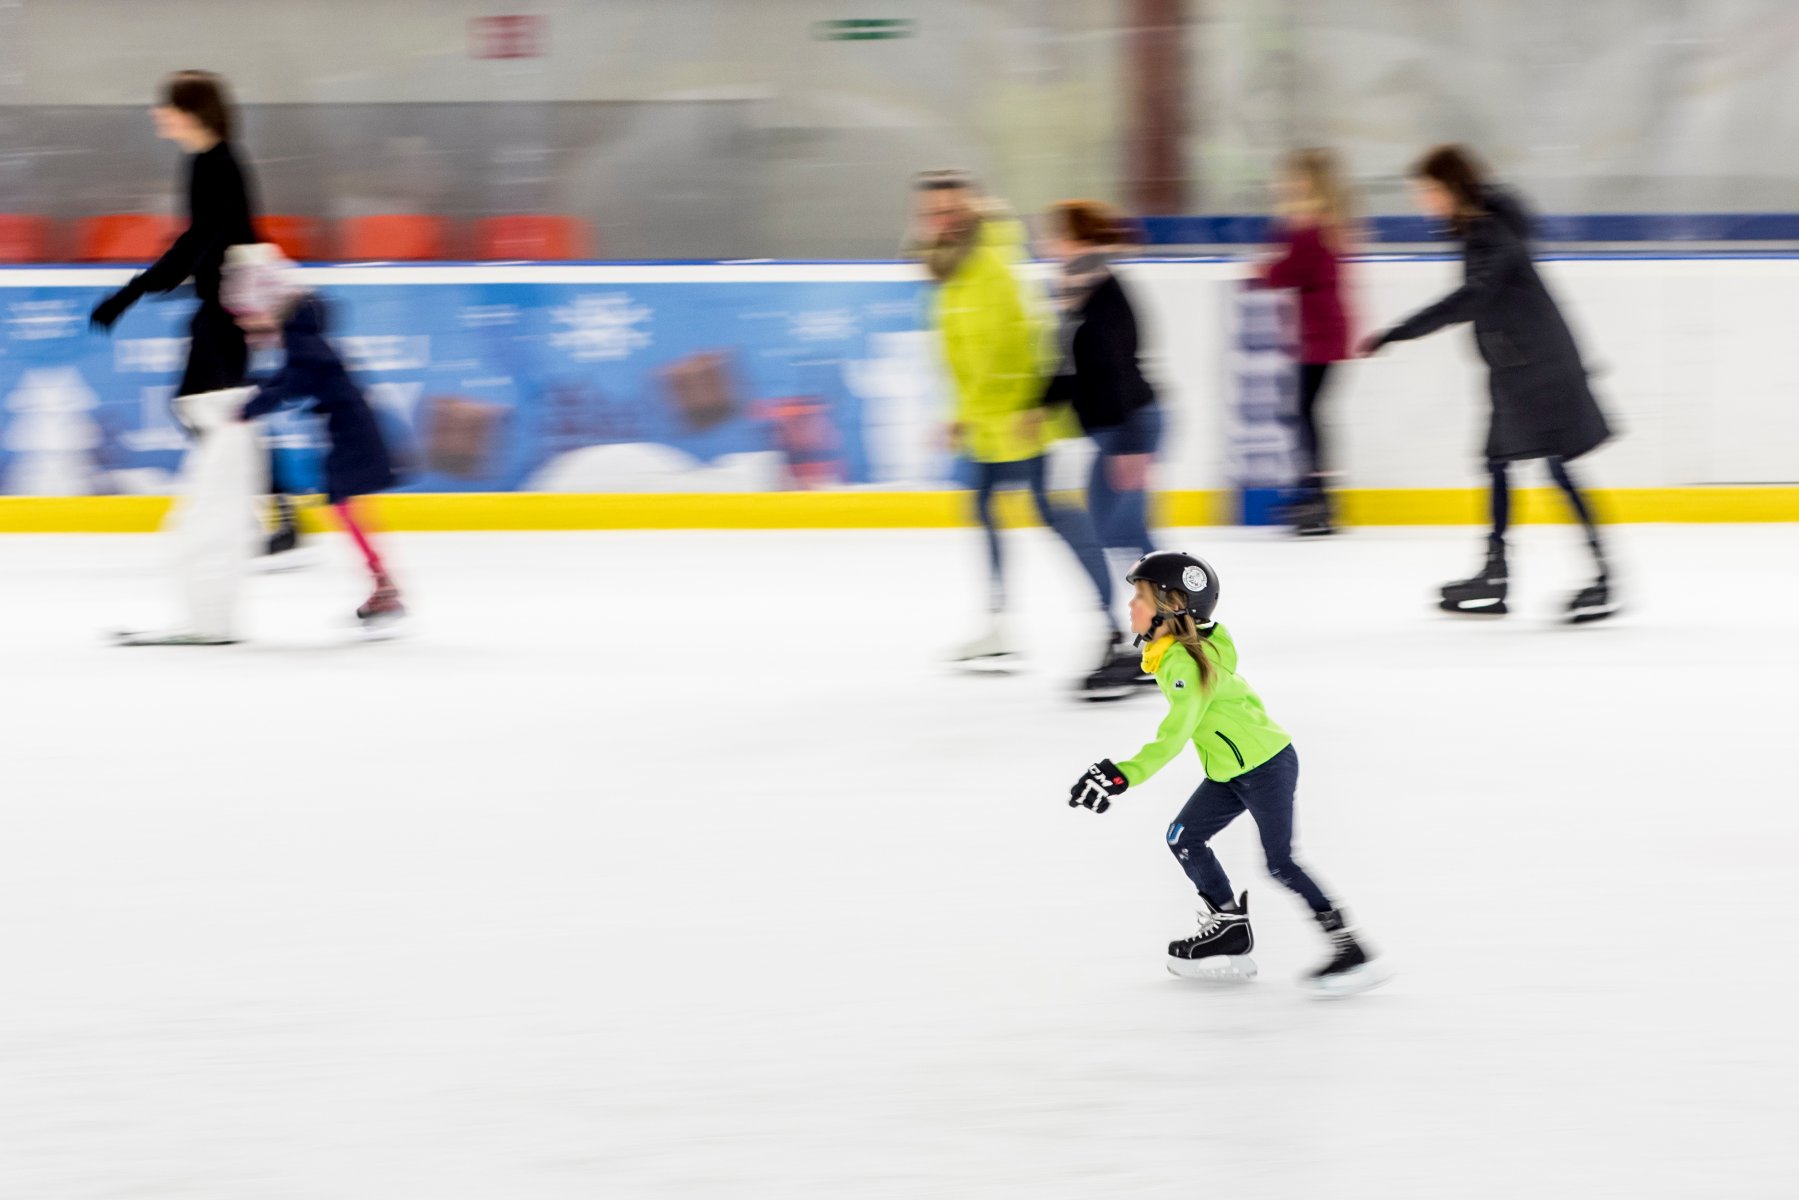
(674, 864)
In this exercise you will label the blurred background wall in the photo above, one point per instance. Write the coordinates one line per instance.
(774, 128)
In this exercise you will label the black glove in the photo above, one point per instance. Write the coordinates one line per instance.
(106, 314)
(1371, 345)
(1097, 785)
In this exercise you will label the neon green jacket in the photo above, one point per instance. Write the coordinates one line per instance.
(996, 343)
(1228, 725)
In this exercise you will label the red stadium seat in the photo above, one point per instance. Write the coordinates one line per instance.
(124, 237)
(531, 238)
(298, 237)
(392, 237)
(24, 238)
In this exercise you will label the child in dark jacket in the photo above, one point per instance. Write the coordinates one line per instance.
(267, 300)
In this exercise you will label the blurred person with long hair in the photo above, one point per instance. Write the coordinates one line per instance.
(1542, 405)
(195, 112)
(1250, 766)
(1102, 382)
(1315, 225)
(995, 346)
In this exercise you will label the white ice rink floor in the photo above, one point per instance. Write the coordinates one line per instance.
(674, 865)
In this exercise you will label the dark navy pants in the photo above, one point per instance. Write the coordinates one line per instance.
(1266, 794)
(1071, 524)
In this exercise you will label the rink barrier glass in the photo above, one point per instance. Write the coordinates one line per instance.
(902, 510)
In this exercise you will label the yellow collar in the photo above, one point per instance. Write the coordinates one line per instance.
(1152, 653)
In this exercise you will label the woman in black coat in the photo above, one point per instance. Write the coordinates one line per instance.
(196, 114)
(1542, 406)
(270, 305)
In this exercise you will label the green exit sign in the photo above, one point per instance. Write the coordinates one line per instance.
(865, 30)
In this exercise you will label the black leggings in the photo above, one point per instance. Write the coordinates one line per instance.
(1311, 451)
(1558, 471)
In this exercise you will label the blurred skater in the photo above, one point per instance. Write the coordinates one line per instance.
(266, 298)
(996, 351)
(195, 112)
(1314, 224)
(1542, 406)
(1100, 378)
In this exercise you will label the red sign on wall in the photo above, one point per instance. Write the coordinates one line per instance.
(507, 37)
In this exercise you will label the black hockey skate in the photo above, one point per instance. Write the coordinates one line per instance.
(1220, 950)
(1351, 968)
(284, 550)
(1312, 517)
(1482, 594)
(1592, 603)
(1119, 673)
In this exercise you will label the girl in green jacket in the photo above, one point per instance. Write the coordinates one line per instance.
(1250, 767)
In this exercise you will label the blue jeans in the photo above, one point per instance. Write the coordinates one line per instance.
(1266, 794)
(1122, 517)
(1072, 525)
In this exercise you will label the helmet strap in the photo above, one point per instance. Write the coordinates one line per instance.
(1155, 623)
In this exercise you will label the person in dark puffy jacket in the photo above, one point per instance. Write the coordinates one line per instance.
(1542, 405)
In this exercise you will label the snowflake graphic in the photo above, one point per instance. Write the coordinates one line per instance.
(825, 325)
(600, 328)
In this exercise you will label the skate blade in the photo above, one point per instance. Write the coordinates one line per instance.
(380, 629)
(1592, 612)
(1109, 692)
(1476, 608)
(125, 637)
(1216, 968)
(987, 664)
(297, 559)
(1352, 982)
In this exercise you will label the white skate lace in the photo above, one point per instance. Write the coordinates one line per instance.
(1209, 922)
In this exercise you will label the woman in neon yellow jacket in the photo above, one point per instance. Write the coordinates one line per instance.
(1250, 766)
(996, 344)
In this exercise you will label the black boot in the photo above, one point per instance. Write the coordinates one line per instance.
(1483, 593)
(1351, 967)
(1221, 947)
(1311, 516)
(1592, 603)
(287, 528)
(1119, 673)
(1595, 601)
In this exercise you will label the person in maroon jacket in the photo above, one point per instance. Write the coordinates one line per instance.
(1314, 223)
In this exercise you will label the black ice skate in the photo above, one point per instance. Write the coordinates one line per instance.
(1220, 950)
(1592, 603)
(1119, 674)
(284, 549)
(1312, 517)
(1351, 968)
(285, 538)
(1482, 594)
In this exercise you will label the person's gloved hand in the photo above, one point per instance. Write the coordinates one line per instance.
(106, 314)
(1097, 785)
